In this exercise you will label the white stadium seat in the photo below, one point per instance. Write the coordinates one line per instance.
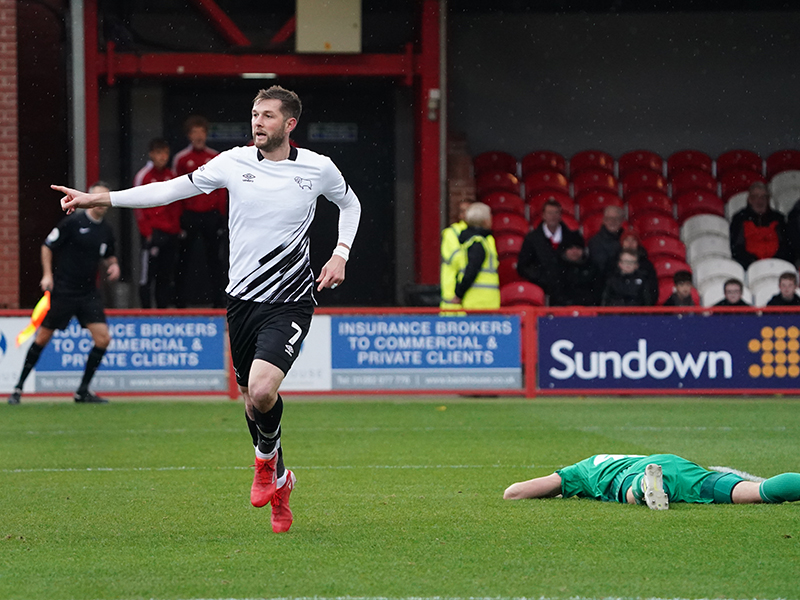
(785, 200)
(783, 181)
(734, 204)
(764, 290)
(717, 269)
(767, 268)
(713, 291)
(708, 246)
(700, 225)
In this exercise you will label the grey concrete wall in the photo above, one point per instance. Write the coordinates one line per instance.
(660, 81)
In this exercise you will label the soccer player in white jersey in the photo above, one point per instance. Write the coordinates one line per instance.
(273, 190)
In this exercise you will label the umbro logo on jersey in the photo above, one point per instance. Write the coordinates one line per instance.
(289, 350)
(248, 177)
(84, 230)
(305, 184)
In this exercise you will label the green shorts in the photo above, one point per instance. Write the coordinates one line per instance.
(685, 481)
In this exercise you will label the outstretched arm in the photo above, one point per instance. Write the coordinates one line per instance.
(76, 199)
(541, 487)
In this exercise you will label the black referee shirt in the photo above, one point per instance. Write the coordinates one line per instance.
(78, 245)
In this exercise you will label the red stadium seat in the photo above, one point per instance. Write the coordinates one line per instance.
(591, 159)
(643, 179)
(595, 201)
(666, 288)
(496, 181)
(593, 179)
(692, 179)
(507, 222)
(504, 202)
(591, 225)
(698, 202)
(739, 159)
(648, 224)
(543, 160)
(783, 160)
(521, 293)
(494, 161)
(536, 202)
(639, 159)
(566, 218)
(507, 271)
(737, 180)
(689, 159)
(539, 181)
(508, 244)
(664, 247)
(649, 201)
(667, 267)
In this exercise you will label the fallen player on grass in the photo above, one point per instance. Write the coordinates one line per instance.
(655, 480)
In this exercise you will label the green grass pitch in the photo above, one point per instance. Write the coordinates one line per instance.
(395, 499)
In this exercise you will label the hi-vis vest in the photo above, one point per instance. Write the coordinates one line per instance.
(484, 293)
(448, 275)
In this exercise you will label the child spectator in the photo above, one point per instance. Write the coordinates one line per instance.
(787, 283)
(683, 290)
(733, 294)
(628, 286)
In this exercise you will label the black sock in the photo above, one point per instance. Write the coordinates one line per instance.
(251, 426)
(92, 362)
(31, 358)
(269, 426)
(279, 468)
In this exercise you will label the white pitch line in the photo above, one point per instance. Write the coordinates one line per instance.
(299, 468)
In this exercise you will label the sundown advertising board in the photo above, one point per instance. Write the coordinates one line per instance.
(669, 352)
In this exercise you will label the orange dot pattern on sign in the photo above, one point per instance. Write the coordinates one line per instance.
(779, 351)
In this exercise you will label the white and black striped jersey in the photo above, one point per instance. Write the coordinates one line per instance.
(272, 205)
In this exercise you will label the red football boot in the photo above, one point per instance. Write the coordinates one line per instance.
(281, 513)
(263, 481)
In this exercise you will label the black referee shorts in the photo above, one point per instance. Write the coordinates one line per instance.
(88, 309)
(270, 332)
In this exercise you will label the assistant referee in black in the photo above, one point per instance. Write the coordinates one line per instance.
(71, 255)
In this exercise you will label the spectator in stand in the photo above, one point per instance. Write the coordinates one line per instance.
(758, 231)
(448, 273)
(604, 246)
(629, 240)
(787, 283)
(683, 290)
(478, 285)
(160, 229)
(203, 218)
(793, 232)
(733, 294)
(628, 286)
(579, 284)
(538, 259)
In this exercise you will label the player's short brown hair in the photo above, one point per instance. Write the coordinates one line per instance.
(291, 107)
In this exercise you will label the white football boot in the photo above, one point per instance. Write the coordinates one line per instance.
(653, 488)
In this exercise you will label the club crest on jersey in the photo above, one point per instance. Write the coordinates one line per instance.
(305, 184)
(289, 350)
(248, 177)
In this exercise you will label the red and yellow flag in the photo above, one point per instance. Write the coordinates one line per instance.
(39, 311)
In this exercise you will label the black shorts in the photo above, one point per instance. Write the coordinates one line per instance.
(270, 332)
(88, 309)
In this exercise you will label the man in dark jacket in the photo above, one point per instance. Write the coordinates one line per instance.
(579, 284)
(605, 244)
(538, 259)
(628, 286)
(757, 231)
